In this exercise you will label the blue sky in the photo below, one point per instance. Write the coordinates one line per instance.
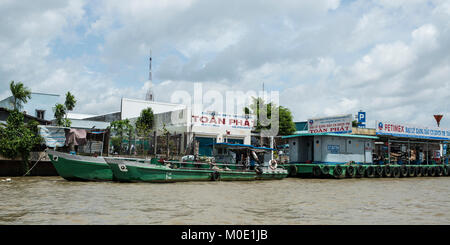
(325, 57)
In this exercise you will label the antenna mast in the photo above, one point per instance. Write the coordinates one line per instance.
(149, 95)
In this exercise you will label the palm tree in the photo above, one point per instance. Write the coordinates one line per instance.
(20, 93)
(69, 103)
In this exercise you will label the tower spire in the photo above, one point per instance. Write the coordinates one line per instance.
(149, 95)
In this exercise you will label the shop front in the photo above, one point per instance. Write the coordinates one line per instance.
(408, 144)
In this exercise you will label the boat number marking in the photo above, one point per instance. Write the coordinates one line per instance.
(123, 168)
(168, 175)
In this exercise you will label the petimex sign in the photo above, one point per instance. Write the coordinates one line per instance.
(405, 130)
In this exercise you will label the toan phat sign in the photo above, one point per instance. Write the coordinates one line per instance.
(221, 120)
(337, 124)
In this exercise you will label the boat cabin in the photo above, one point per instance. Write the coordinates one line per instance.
(241, 154)
(330, 148)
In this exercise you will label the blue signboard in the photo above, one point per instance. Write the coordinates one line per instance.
(404, 130)
(333, 149)
(362, 119)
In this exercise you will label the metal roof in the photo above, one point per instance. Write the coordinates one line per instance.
(331, 134)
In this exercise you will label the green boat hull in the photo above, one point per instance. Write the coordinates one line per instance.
(126, 171)
(80, 168)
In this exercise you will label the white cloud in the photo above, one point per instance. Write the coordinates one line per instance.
(326, 57)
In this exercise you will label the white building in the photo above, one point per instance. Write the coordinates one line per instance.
(206, 127)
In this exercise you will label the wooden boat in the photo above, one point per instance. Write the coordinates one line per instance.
(80, 168)
(229, 169)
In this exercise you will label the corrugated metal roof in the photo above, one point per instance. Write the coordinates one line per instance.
(331, 134)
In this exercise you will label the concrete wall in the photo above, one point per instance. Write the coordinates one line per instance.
(330, 149)
(131, 108)
(342, 149)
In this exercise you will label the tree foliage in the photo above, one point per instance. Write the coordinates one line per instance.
(144, 122)
(20, 94)
(70, 101)
(260, 108)
(287, 125)
(121, 128)
(61, 110)
(17, 138)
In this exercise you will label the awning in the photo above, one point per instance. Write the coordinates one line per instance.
(53, 136)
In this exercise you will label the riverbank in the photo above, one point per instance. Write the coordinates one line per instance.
(13, 167)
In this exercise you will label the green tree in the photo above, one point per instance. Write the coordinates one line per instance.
(287, 125)
(20, 94)
(144, 123)
(355, 123)
(260, 107)
(17, 139)
(121, 128)
(69, 104)
(61, 111)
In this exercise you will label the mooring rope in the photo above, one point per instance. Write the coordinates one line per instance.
(33, 166)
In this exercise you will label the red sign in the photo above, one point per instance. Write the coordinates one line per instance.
(227, 121)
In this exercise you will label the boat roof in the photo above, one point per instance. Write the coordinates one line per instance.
(331, 134)
(244, 146)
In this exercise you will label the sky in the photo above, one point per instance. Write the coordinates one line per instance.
(390, 58)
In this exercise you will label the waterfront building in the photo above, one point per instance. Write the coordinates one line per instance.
(394, 143)
(197, 130)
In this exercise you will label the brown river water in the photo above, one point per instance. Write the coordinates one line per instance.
(53, 200)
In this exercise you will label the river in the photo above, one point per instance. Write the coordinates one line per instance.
(292, 201)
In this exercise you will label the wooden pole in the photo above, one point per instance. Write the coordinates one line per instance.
(155, 141)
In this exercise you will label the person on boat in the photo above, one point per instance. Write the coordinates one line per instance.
(253, 160)
(252, 164)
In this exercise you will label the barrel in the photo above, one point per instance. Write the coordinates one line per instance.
(387, 171)
(432, 171)
(396, 172)
(350, 171)
(370, 171)
(317, 172)
(325, 170)
(360, 171)
(404, 171)
(337, 171)
(379, 171)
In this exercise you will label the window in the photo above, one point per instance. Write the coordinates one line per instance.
(40, 114)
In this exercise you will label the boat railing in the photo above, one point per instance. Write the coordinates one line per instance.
(211, 165)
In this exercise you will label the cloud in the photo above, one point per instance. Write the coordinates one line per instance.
(325, 57)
